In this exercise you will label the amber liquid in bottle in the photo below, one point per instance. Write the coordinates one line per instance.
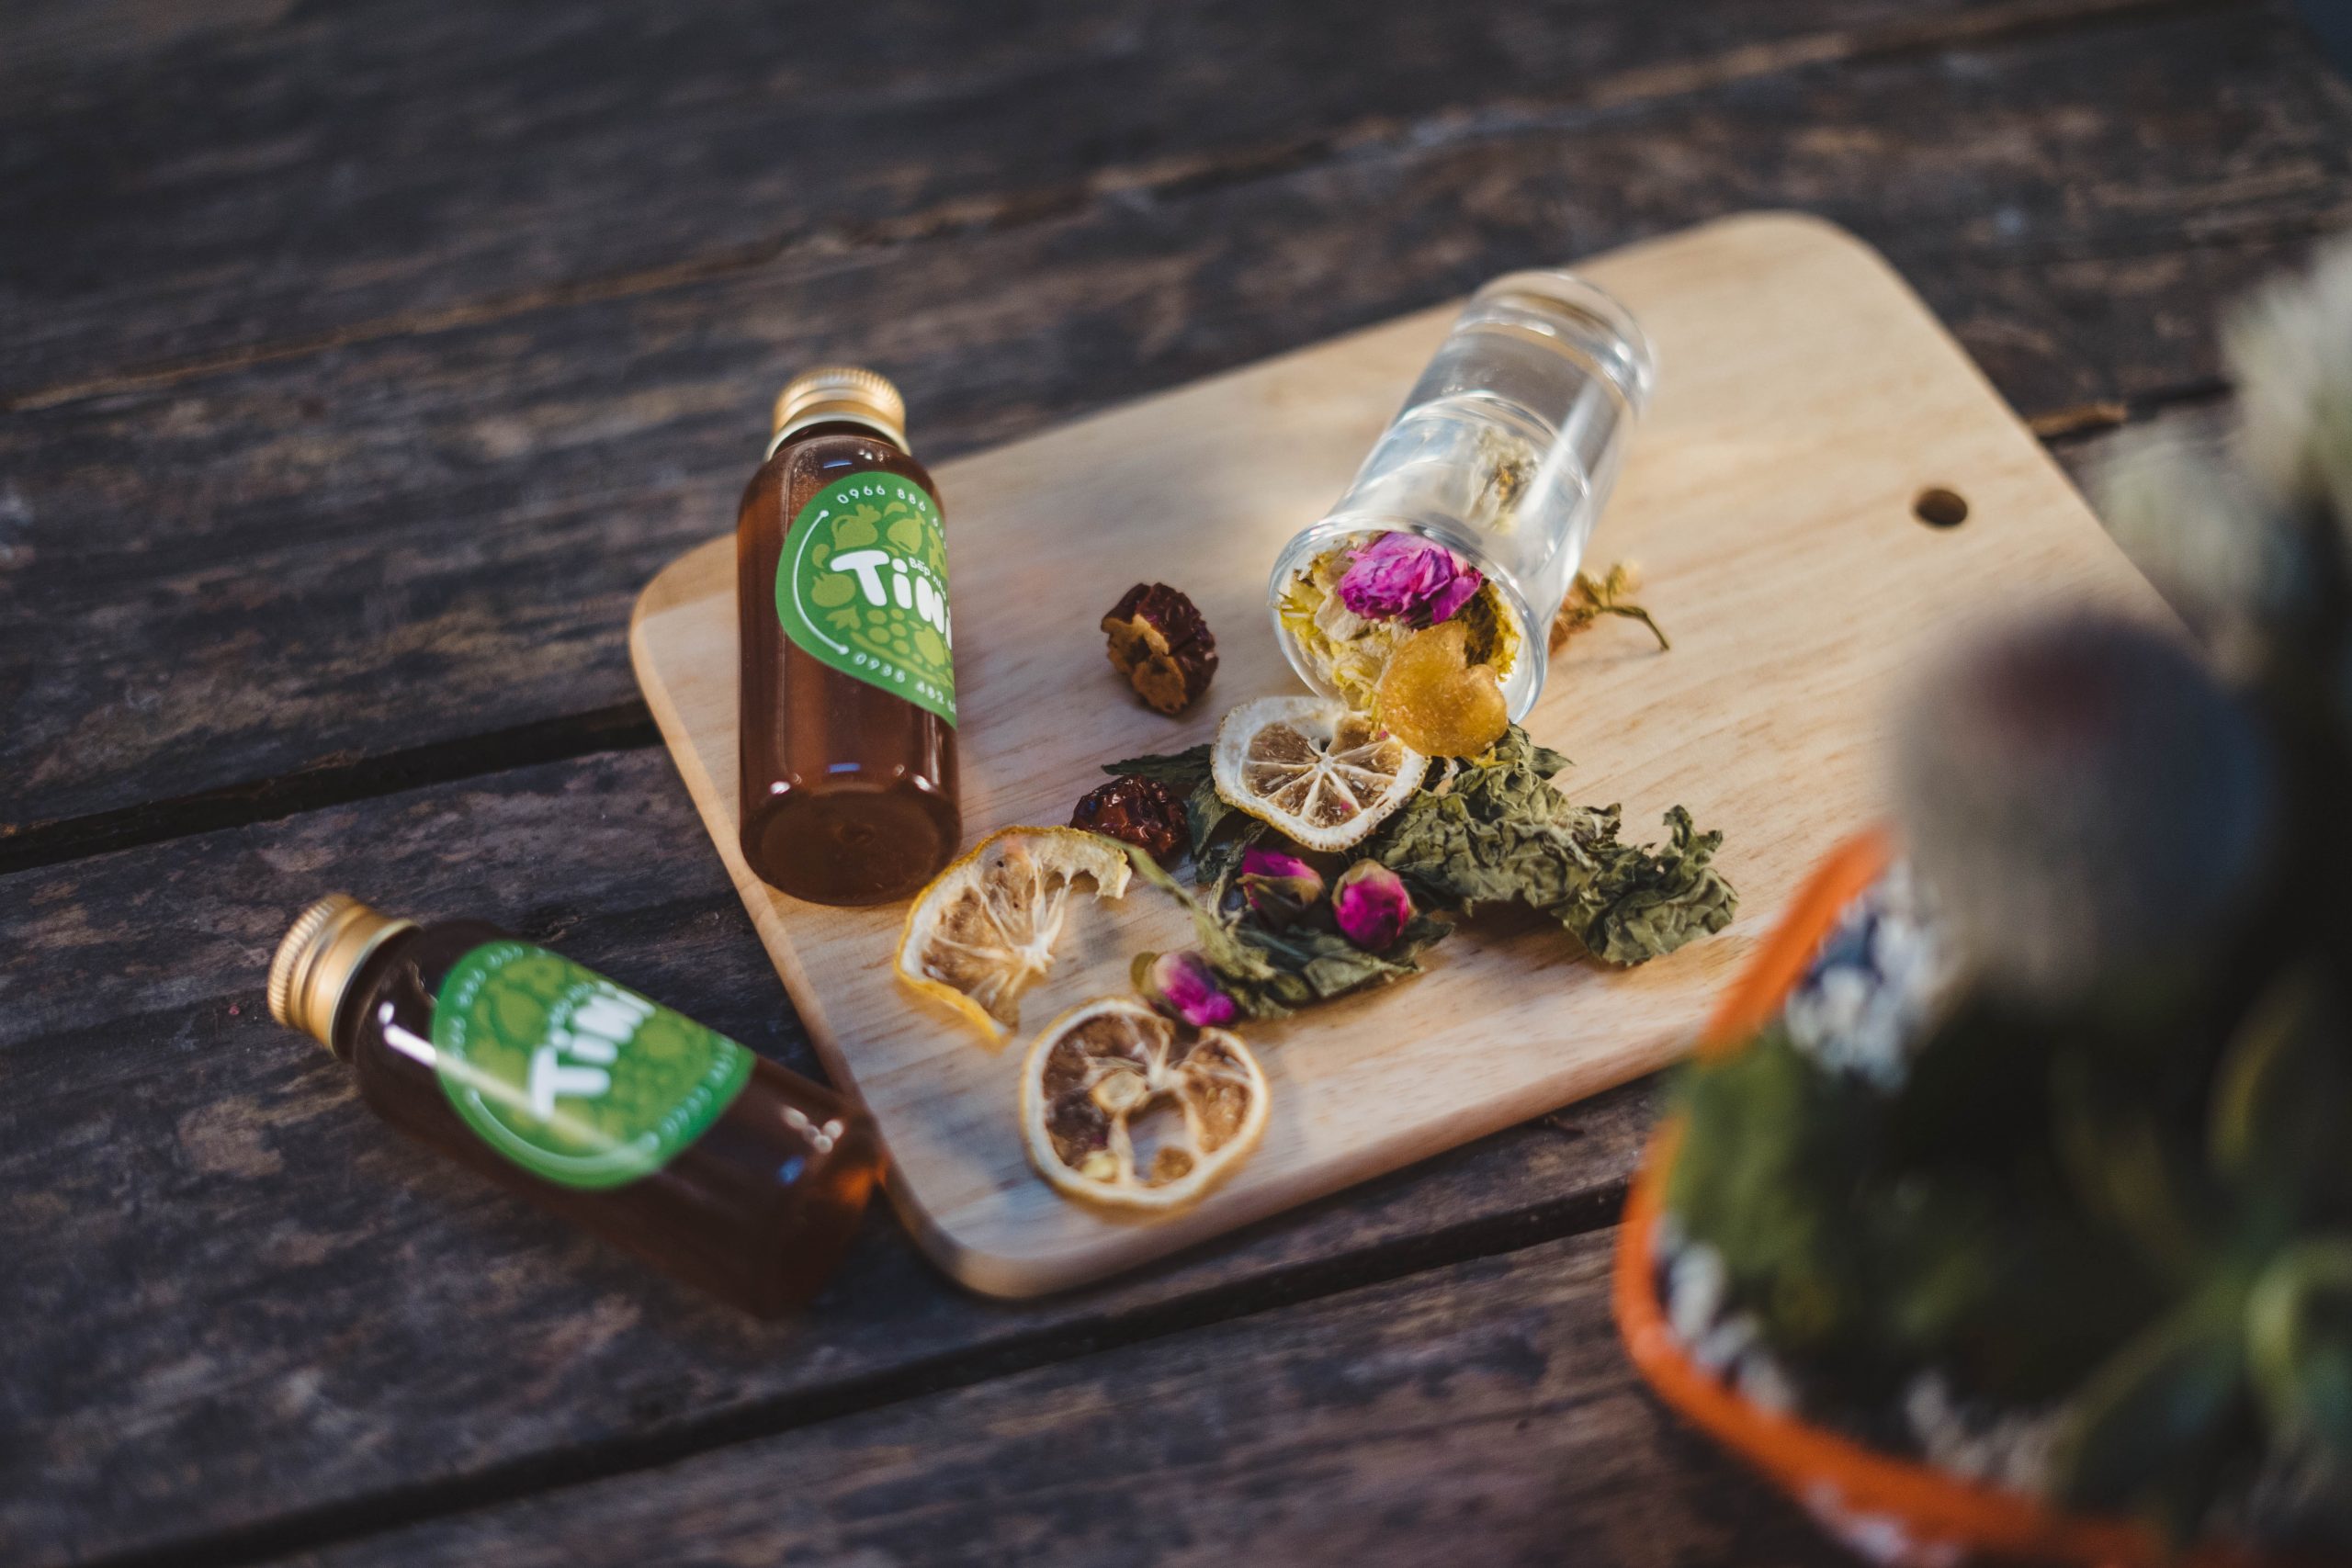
(756, 1210)
(848, 790)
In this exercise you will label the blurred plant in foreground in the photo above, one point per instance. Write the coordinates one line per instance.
(2044, 1175)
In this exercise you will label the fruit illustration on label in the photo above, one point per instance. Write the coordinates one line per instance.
(863, 587)
(571, 1076)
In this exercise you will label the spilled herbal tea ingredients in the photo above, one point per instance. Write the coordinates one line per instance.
(984, 931)
(1266, 970)
(1160, 642)
(1496, 830)
(1352, 606)
(1124, 1107)
(1493, 830)
(594, 1102)
(1591, 597)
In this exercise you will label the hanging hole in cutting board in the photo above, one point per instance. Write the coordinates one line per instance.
(1940, 508)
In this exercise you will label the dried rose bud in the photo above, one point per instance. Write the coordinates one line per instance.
(1370, 905)
(1405, 575)
(1280, 888)
(1182, 986)
(1142, 812)
(1162, 645)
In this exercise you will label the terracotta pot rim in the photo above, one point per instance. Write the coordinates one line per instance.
(1843, 1481)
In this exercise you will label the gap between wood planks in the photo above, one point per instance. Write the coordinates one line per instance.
(1165, 179)
(315, 1528)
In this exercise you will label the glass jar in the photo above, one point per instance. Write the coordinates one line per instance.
(1504, 453)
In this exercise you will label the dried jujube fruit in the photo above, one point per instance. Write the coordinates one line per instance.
(1162, 645)
(1142, 812)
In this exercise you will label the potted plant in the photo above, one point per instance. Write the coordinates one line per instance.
(2007, 1211)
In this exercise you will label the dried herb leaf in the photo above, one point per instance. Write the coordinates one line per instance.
(1498, 832)
(1177, 770)
(1591, 597)
(1217, 861)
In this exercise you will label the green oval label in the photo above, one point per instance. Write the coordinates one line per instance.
(571, 1076)
(862, 587)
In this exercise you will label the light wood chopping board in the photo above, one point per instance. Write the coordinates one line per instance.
(1805, 400)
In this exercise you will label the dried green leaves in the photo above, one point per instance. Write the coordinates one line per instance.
(1494, 830)
(1497, 832)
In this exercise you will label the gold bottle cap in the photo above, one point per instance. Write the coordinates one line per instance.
(840, 391)
(316, 961)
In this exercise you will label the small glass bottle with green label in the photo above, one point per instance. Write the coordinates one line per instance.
(608, 1108)
(845, 745)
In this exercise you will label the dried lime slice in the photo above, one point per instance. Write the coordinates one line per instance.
(1325, 777)
(983, 931)
(1124, 1107)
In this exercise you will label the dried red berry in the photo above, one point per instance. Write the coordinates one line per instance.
(1162, 645)
(1142, 812)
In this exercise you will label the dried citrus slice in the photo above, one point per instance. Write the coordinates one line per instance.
(983, 931)
(1436, 700)
(1322, 774)
(1124, 1107)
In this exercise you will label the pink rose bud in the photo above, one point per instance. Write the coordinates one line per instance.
(1371, 906)
(1182, 986)
(1403, 574)
(1280, 888)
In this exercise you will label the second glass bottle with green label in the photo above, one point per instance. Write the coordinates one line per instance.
(588, 1098)
(845, 743)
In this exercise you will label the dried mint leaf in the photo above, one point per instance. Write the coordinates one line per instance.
(1178, 770)
(1215, 867)
(1498, 831)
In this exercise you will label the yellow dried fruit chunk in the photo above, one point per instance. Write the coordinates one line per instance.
(1434, 700)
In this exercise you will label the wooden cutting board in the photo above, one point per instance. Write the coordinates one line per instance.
(1805, 401)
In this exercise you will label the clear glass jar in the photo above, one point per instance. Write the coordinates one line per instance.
(1504, 453)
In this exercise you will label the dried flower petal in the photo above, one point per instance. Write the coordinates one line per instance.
(1371, 906)
(1404, 576)
(1280, 888)
(1182, 986)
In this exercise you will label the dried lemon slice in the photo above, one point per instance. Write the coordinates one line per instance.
(1124, 1107)
(1322, 774)
(983, 930)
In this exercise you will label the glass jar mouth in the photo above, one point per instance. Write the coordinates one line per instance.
(1523, 682)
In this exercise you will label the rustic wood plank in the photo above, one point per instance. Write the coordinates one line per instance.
(1483, 1408)
(201, 183)
(327, 561)
(242, 1312)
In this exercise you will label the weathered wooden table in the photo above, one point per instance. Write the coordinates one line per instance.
(356, 365)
